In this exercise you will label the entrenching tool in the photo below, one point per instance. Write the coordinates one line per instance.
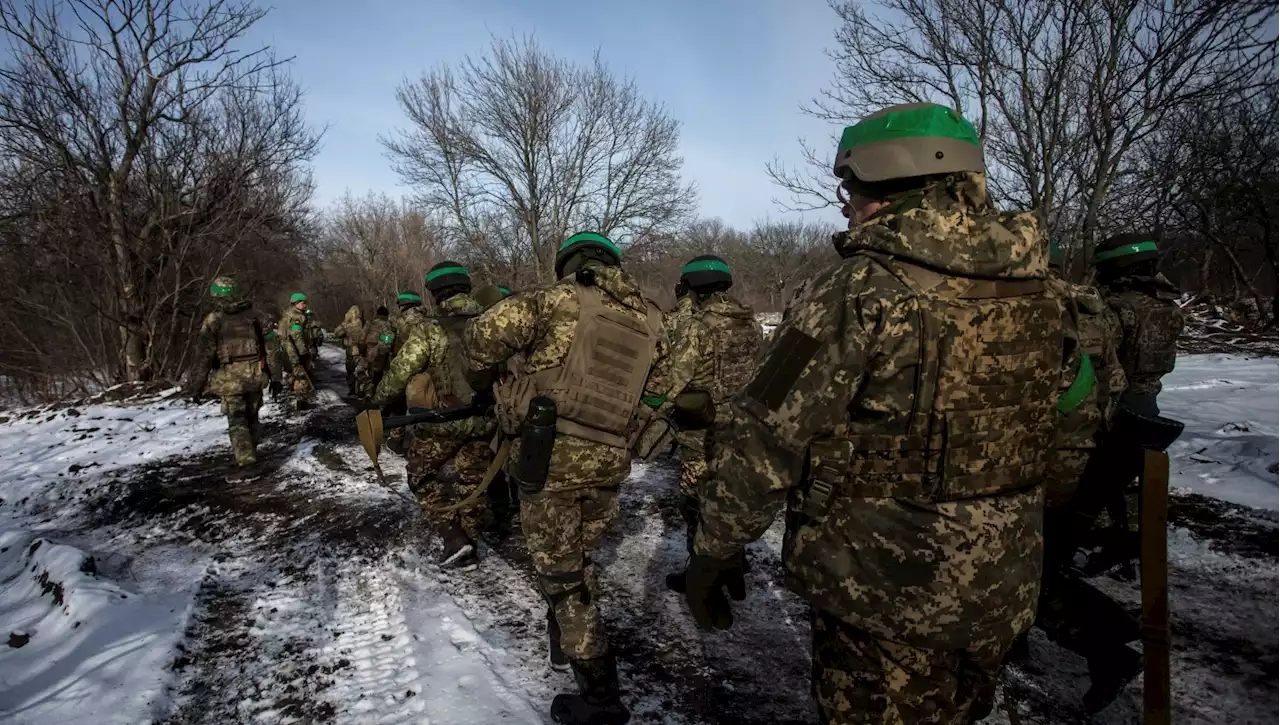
(369, 427)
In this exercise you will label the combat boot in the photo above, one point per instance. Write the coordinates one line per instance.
(1109, 673)
(559, 659)
(600, 702)
(688, 512)
(459, 551)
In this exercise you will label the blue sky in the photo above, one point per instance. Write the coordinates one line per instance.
(732, 71)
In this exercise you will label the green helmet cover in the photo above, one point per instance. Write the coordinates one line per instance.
(409, 298)
(585, 240)
(908, 140)
(297, 297)
(705, 271)
(224, 287)
(506, 291)
(446, 274)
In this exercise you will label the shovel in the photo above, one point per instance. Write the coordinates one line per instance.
(369, 429)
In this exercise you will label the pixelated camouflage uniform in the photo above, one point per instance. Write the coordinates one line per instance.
(315, 334)
(1150, 323)
(716, 355)
(677, 318)
(231, 345)
(566, 521)
(350, 335)
(434, 348)
(295, 340)
(378, 336)
(923, 562)
(1096, 327)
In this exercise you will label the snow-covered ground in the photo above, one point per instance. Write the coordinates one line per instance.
(137, 584)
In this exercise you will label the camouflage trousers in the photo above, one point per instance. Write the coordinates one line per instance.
(426, 456)
(352, 356)
(858, 678)
(693, 460)
(242, 424)
(561, 529)
(300, 383)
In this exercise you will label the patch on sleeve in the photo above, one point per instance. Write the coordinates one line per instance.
(788, 358)
(295, 327)
(386, 338)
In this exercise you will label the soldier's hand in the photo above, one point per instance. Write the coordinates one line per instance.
(705, 580)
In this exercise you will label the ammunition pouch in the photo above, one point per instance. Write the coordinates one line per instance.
(1132, 430)
(653, 434)
(694, 410)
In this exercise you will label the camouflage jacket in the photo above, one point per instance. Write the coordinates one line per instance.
(433, 350)
(405, 323)
(295, 336)
(1150, 323)
(677, 318)
(350, 334)
(234, 372)
(716, 351)
(908, 538)
(1099, 333)
(378, 335)
(538, 324)
(427, 349)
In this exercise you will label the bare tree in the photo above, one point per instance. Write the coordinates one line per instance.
(1062, 92)
(148, 153)
(519, 148)
(371, 249)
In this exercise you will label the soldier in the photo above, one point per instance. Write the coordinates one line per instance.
(296, 342)
(1072, 612)
(411, 315)
(377, 337)
(315, 332)
(716, 354)
(903, 412)
(350, 335)
(232, 346)
(429, 371)
(592, 330)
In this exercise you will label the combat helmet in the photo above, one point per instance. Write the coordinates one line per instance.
(583, 246)
(706, 274)
(908, 140)
(447, 279)
(224, 288)
(297, 297)
(490, 295)
(1125, 250)
(405, 300)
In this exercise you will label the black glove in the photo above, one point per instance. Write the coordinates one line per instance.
(704, 580)
(682, 289)
(370, 405)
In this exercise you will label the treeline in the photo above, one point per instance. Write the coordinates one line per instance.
(371, 248)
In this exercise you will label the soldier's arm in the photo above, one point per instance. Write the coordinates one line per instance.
(507, 328)
(676, 365)
(801, 390)
(412, 359)
(206, 354)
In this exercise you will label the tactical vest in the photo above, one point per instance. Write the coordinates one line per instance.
(1150, 351)
(239, 337)
(983, 410)
(597, 389)
(453, 380)
(736, 341)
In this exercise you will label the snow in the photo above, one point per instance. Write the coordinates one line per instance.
(95, 651)
(1229, 448)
